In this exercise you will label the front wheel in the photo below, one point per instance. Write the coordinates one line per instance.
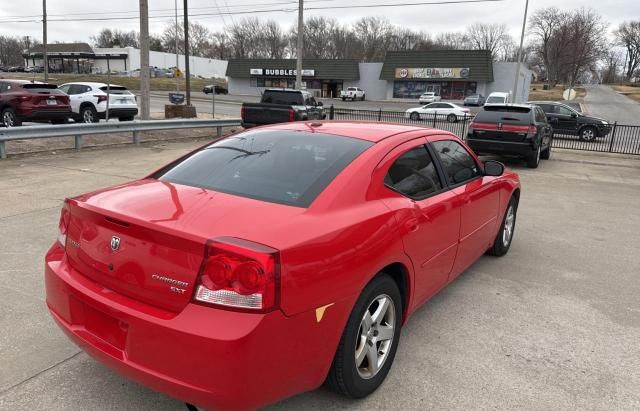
(414, 116)
(363, 97)
(588, 134)
(452, 118)
(369, 341)
(503, 239)
(88, 114)
(344, 98)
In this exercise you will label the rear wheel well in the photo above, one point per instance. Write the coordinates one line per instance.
(398, 272)
(86, 104)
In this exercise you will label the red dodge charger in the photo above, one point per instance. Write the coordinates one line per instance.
(275, 260)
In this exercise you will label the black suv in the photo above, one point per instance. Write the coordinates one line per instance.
(566, 120)
(512, 129)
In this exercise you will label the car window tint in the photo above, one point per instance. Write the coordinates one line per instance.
(563, 111)
(459, 166)
(286, 167)
(414, 174)
(504, 114)
(540, 117)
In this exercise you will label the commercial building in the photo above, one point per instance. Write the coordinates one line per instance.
(82, 58)
(452, 74)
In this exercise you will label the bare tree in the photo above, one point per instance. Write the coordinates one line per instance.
(115, 38)
(273, 39)
(628, 36)
(483, 36)
(11, 49)
(587, 44)
(199, 38)
(609, 73)
(373, 34)
(544, 27)
(451, 41)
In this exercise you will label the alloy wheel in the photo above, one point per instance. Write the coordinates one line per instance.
(87, 116)
(8, 119)
(509, 221)
(375, 336)
(588, 135)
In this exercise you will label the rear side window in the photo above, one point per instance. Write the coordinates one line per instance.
(540, 116)
(459, 166)
(287, 98)
(285, 167)
(495, 99)
(507, 115)
(414, 174)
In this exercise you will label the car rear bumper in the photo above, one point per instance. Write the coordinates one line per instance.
(119, 112)
(481, 146)
(57, 113)
(210, 357)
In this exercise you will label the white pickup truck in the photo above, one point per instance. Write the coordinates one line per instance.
(352, 93)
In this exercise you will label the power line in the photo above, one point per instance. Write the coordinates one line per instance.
(277, 10)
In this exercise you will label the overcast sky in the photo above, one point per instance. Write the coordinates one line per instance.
(429, 18)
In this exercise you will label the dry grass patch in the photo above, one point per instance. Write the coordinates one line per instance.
(536, 93)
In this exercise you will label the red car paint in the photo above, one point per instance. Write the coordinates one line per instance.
(225, 358)
(36, 102)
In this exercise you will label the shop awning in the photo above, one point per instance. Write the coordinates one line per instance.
(461, 65)
(312, 68)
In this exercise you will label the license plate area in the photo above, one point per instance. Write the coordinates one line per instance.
(107, 328)
(52, 101)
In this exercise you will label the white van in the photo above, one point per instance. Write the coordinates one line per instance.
(497, 97)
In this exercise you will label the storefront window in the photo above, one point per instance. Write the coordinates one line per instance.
(448, 90)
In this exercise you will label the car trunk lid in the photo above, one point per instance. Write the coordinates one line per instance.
(510, 123)
(146, 239)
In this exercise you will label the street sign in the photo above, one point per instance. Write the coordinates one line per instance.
(176, 98)
(178, 73)
(569, 94)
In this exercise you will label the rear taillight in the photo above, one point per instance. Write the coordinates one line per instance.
(290, 115)
(532, 130)
(239, 274)
(101, 98)
(63, 224)
(242, 112)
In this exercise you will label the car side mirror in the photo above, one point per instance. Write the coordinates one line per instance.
(574, 115)
(493, 168)
(319, 103)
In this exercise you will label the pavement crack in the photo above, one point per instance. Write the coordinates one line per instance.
(5, 391)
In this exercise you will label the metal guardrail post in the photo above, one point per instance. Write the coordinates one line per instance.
(3, 150)
(380, 114)
(219, 131)
(136, 137)
(331, 112)
(613, 136)
(78, 142)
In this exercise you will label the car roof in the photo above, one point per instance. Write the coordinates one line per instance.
(496, 107)
(90, 83)
(365, 130)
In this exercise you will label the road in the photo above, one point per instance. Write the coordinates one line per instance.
(555, 324)
(603, 101)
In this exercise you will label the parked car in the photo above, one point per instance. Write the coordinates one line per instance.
(566, 120)
(512, 129)
(22, 100)
(497, 97)
(452, 111)
(353, 94)
(89, 101)
(281, 106)
(428, 97)
(16, 69)
(218, 89)
(274, 260)
(474, 100)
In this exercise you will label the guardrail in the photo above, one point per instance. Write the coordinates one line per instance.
(81, 129)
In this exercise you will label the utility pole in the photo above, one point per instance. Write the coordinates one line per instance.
(524, 23)
(45, 60)
(187, 72)
(175, 4)
(144, 60)
(299, 47)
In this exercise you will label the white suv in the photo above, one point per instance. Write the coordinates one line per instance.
(352, 93)
(428, 97)
(89, 102)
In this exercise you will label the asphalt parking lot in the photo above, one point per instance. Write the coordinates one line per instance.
(555, 324)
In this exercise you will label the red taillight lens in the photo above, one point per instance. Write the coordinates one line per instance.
(63, 224)
(101, 98)
(290, 115)
(532, 130)
(239, 274)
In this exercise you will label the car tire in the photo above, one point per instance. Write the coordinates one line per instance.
(348, 374)
(414, 116)
(546, 153)
(533, 160)
(8, 118)
(88, 114)
(588, 133)
(504, 238)
(452, 118)
(363, 97)
(129, 118)
(344, 99)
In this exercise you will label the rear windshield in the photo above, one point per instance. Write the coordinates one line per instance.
(41, 88)
(506, 114)
(351, 89)
(288, 98)
(495, 99)
(116, 90)
(285, 167)
(428, 94)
